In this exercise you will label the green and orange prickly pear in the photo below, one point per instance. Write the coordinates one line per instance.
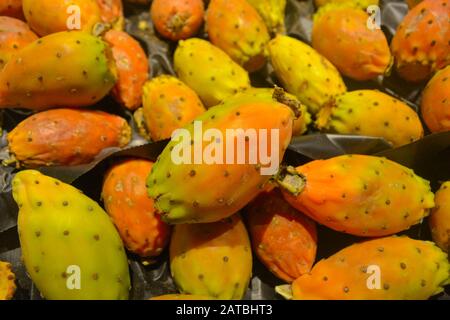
(284, 240)
(305, 73)
(65, 137)
(132, 67)
(181, 297)
(440, 218)
(371, 113)
(75, 69)
(407, 269)
(14, 35)
(219, 78)
(236, 27)
(70, 247)
(272, 12)
(340, 33)
(111, 12)
(420, 45)
(435, 106)
(168, 104)
(12, 8)
(212, 259)
(52, 16)
(237, 134)
(177, 19)
(7, 281)
(360, 195)
(125, 198)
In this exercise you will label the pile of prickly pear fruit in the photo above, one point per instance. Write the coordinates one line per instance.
(221, 143)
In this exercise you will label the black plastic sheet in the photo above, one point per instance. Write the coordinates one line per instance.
(430, 157)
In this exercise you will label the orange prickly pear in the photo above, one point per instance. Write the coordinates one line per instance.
(272, 12)
(236, 27)
(7, 281)
(231, 132)
(177, 19)
(412, 3)
(435, 105)
(111, 12)
(361, 195)
(75, 69)
(125, 197)
(213, 259)
(392, 268)
(283, 239)
(51, 16)
(181, 297)
(420, 46)
(132, 67)
(12, 8)
(371, 113)
(65, 137)
(14, 35)
(169, 104)
(341, 34)
(440, 218)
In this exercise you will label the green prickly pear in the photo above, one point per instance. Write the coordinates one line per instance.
(75, 69)
(219, 78)
(70, 247)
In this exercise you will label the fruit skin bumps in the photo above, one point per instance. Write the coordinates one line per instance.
(75, 69)
(440, 218)
(420, 46)
(7, 281)
(212, 260)
(68, 241)
(65, 137)
(360, 195)
(340, 33)
(407, 269)
(435, 105)
(371, 113)
(305, 73)
(125, 197)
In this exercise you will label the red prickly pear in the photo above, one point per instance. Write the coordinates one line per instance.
(111, 12)
(440, 218)
(236, 27)
(125, 197)
(12, 8)
(7, 281)
(14, 35)
(177, 19)
(65, 137)
(75, 69)
(283, 239)
(420, 46)
(132, 67)
(436, 102)
(361, 195)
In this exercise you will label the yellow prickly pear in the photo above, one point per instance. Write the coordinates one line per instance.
(7, 281)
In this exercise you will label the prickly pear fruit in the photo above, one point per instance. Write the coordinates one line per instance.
(225, 159)
(361, 195)
(65, 137)
(111, 12)
(272, 12)
(11, 8)
(125, 197)
(213, 259)
(220, 76)
(360, 3)
(408, 270)
(74, 69)
(14, 35)
(340, 33)
(132, 66)
(62, 233)
(371, 113)
(435, 105)
(181, 297)
(7, 281)
(177, 19)
(420, 46)
(413, 3)
(284, 240)
(169, 104)
(236, 27)
(52, 16)
(305, 73)
(440, 218)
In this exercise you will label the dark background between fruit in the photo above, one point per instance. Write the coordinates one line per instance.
(429, 158)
